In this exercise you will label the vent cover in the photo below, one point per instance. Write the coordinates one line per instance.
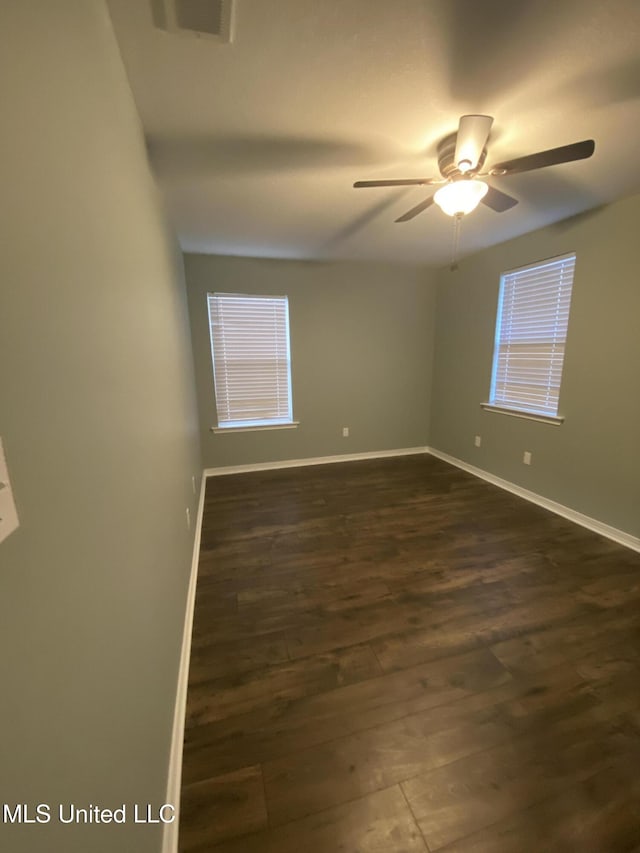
(200, 18)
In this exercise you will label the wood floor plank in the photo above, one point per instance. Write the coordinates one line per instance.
(285, 727)
(613, 676)
(397, 622)
(597, 815)
(215, 658)
(475, 792)
(359, 625)
(379, 823)
(281, 683)
(539, 650)
(364, 762)
(333, 595)
(220, 808)
(315, 778)
(451, 632)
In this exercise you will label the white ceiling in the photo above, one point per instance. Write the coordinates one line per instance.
(256, 144)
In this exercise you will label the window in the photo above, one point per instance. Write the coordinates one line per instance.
(531, 330)
(251, 362)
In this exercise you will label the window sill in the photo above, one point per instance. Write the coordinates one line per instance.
(291, 425)
(518, 413)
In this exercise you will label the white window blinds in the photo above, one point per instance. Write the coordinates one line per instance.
(531, 330)
(251, 363)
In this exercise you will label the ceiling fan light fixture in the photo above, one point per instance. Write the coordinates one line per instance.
(460, 197)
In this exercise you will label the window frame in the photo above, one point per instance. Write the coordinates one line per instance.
(501, 406)
(250, 425)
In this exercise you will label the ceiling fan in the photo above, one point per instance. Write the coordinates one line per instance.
(461, 157)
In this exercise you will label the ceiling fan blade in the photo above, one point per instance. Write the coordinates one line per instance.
(473, 132)
(552, 157)
(407, 182)
(415, 210)
(498, 201)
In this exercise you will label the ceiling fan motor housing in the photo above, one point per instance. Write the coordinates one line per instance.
(446, 159)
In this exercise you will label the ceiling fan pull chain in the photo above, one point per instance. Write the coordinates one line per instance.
(457, 222)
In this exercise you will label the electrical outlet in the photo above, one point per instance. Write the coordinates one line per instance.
(527, 458)
(188, 519)
(345, 432)
(478, 441)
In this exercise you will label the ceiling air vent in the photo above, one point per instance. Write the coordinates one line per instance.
(200, 18)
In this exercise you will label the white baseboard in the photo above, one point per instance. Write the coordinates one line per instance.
(314, 460)
(174, 779)
(593, 524)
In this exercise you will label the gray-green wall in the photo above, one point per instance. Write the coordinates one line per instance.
(97, 412)
(592, 462)
(361, 353)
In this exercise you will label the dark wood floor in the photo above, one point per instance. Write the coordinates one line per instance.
(394, 656)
